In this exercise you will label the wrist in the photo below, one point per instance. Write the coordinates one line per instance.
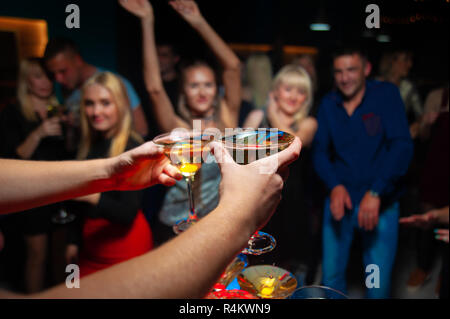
(373, 193)
(37, 134)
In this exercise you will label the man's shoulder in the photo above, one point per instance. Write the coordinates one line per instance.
(381, 86)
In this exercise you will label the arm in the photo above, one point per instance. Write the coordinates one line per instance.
(435, 216)
(162, 107)
(49, 127)
(306, 129)
(141, 167)
(230, 63)
(139, 121)
(254, 119)
(189, 265)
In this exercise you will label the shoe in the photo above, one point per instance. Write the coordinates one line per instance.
(417, 279)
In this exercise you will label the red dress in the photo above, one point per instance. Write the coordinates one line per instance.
(106, 243)
(115, 229)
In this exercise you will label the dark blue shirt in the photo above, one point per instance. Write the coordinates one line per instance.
(369, 150)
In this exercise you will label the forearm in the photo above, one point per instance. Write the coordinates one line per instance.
(221, 50)
(186, 267)
(162, 107)
(29, 146)
(32, 184)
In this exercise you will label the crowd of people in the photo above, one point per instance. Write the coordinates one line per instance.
(359, 161)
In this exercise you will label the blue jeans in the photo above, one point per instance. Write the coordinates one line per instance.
(379, 248)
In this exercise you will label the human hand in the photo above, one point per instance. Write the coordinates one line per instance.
(50, 127)
(442, 234)
(141, 167)
(71, 254)
(420, 220)
(188, 10)
(140, 8)
(253, 190)
(92, 199)
(339, 200)
(369, 210)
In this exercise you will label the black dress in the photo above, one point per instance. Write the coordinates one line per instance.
(14, 129)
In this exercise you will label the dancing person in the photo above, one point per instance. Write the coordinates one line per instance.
(177, 269)
(113, 227)
(394, 67)
(71, 71)
(29, 130)
(199, 99)
(361, 150)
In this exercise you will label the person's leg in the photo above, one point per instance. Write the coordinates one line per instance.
(35, 262)
(380, 247)
(336, 243)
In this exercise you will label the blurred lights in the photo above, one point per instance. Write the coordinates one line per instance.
(383, 38)
(319, 27)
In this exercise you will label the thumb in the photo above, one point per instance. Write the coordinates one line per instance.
(221, 154)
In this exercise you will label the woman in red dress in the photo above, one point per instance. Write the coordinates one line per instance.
(112, 228)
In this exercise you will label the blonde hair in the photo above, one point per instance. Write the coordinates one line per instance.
(296, 76)
(124, 128)
(23, 94)
(258, 76)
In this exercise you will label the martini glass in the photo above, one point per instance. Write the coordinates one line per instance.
(317, 292)
(185, 150)
(267, 282)
(249, 145)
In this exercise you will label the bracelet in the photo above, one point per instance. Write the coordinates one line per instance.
(373, 193)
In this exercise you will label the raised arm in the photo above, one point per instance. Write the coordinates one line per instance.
(163, 108)
(231, 77)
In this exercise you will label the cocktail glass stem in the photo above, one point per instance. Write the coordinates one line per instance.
(192, 214)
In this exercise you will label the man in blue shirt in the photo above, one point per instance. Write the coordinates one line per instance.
(361, 150)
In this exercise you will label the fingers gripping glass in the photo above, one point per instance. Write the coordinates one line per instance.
(249, 145)
(185, 150)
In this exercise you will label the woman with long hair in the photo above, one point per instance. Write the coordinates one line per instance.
(199, 99)
(29, 131)
(113, 227)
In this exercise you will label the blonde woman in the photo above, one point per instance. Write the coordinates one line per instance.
(290, 101)
(28, 132)
(199, 100)
(288, 109)
(113, 227)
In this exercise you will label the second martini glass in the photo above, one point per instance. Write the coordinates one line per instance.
(249, 145)
(185, 150)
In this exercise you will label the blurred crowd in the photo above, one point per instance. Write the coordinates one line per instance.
(374, 156)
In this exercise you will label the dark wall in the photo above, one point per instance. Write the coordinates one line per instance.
(96, 35)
